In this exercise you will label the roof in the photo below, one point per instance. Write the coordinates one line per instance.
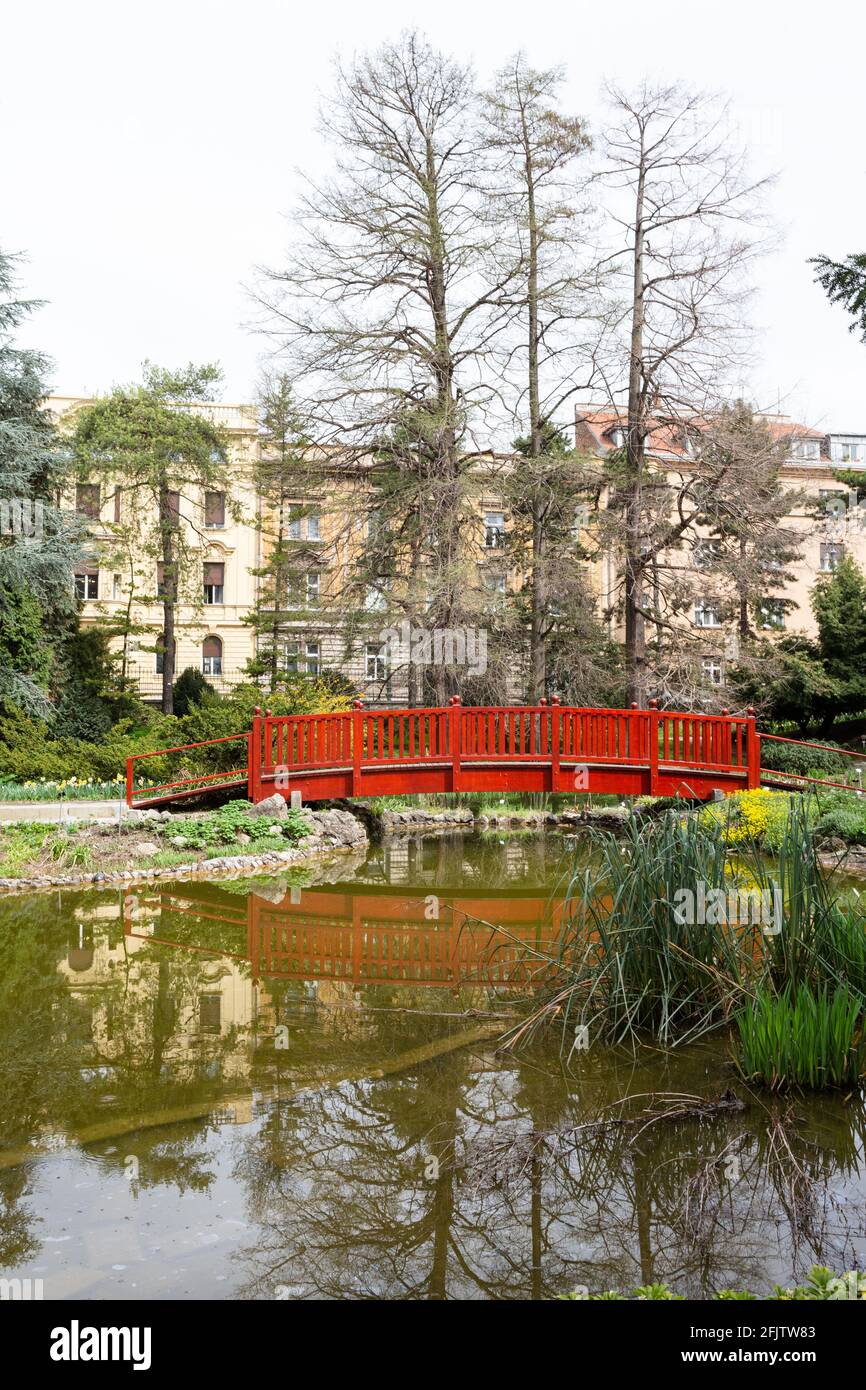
(594, 427)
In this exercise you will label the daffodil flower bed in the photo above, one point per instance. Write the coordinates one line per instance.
(65, 789)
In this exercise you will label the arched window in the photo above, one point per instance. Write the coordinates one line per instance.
(212, 657)
(160, 655)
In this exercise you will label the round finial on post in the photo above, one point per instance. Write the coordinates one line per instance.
(726, 711)
(751, 711)
(634, 704)
(269, 713)
(455, 699)
(653, 704)
(257, 711)
(357, 704)
(542, 701)
(555, 700)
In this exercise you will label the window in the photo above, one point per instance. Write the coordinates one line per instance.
(117, 504)
(806, 449)
(214, 510)
(375, 599)
(87, 583)
(617, 438)
(312, 586)
(581, 520)
(705, 554)
(851, 453)
(301, 523)
(711, 671)
(299, 657)
(87, 500)
(160, 656)
(706, 613)
(835, 501)
(212, 657)
(209, 1013)
(376, 662)
(214, 582)
(116, 586)
(162, 587)
(172, 507)
(494, 530)
(493, 583)
(831, 555)
(771, 612)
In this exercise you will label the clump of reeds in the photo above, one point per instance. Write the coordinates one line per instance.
(629, 967)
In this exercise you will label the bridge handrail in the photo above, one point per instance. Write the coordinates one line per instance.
(203, 778)
(821, 747)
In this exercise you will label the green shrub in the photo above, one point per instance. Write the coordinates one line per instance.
(807, 762)
(189, 689)
(842, 815)
(222, 827)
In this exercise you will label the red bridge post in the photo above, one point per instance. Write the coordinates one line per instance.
(555, 727)
(753, 749)
(455, 742)
(654, 747)
(357, 744)
(254, 759)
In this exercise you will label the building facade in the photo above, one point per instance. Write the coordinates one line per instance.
(335, 627)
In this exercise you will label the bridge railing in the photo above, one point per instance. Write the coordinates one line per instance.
(457, 735)
(190, 785)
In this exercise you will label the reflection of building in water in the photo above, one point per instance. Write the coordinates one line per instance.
(123, 988)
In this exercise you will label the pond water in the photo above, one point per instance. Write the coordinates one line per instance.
(289, 1089)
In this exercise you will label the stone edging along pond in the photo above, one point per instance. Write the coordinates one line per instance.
(333, 832)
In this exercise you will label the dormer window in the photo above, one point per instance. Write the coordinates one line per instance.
(617, 438)
(805, 449)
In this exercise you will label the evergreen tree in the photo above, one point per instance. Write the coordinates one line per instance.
(844, 282)
(159, 457)
(284, 471)
(39, 545)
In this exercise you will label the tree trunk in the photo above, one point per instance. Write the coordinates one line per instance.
(635, 627)
(168, 523)
(537, 634)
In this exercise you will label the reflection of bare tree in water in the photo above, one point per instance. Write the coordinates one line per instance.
(396, 1190)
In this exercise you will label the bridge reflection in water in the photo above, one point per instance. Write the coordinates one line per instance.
(362, 937)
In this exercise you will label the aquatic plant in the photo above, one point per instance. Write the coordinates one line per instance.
(801, 1038)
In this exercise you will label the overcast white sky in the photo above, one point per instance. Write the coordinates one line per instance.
(148, 155)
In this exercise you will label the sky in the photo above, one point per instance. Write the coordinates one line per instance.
(150, 155)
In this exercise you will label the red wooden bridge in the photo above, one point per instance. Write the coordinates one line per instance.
(539, 748)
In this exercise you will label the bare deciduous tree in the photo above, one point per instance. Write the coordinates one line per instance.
(687, 211)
